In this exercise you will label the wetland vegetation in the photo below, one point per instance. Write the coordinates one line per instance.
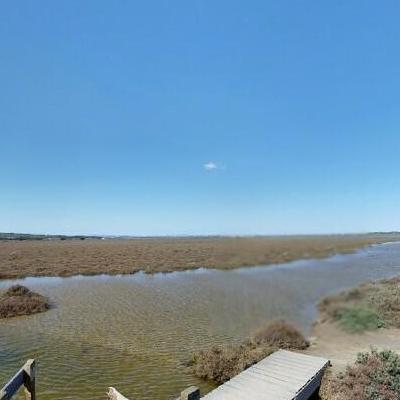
(19, 300)
(25, 258)
(367, 307)
(221, 363)
(375, 375)
(140, 338)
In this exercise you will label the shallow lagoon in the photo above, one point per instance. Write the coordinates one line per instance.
(135, 331)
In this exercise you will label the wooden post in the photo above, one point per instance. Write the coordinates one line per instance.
(191, 393)
(113, 394)
(29, 380)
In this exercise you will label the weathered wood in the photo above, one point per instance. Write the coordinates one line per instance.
(284, 375)
(191, 393)
(12, 386)
(113, 394)
(30, 380)
(24, 377)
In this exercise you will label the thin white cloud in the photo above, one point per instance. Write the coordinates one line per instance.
(210, 166)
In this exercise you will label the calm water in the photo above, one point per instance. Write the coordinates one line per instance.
(134, 332)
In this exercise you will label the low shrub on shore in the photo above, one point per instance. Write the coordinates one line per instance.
(357, 320)
(374, 376)
(367, 307)
(281, 335)
(19, 300)
(221, 363)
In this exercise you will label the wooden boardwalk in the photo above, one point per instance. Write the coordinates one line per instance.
(283, 375)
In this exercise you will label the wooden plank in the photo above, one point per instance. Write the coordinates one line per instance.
(283, 366)
(284, 375)
(255, 386)
(287, 381)
(24, 377)
(239, 393)
(30, 379)
(232, 392)
(297, 367)
(12, 386)
(285, 370)
(191, 393)
(259, 386)
(295, 358)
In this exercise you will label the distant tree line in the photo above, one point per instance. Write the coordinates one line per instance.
(29, 236)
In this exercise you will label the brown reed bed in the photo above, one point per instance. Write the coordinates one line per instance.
(89, 257)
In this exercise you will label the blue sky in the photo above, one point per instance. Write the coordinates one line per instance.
(199, 117)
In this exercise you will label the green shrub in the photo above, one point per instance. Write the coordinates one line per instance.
(370, 306)
(358, 320)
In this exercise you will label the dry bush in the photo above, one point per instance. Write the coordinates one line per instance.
(19, 300)
(374, 376)
(280, 334)
(222, 363)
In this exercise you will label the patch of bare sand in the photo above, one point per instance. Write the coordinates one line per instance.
(331, 342)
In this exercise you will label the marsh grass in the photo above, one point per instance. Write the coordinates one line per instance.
(368, 307)
(19, 300)
(356, 320)
(89, 257)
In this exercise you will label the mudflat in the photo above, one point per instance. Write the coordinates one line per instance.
(124, 256)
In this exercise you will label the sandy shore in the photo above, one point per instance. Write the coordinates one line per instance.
(341, 348)
(88, 257)
(341, 338)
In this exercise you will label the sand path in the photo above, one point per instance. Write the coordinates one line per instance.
(341, 348)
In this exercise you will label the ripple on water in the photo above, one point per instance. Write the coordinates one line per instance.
(134, 332)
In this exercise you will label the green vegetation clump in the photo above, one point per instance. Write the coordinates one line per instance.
(385, 298)
(374, 376)
(221, 363)
(19, 300)
(368, 307)
(356, 320)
